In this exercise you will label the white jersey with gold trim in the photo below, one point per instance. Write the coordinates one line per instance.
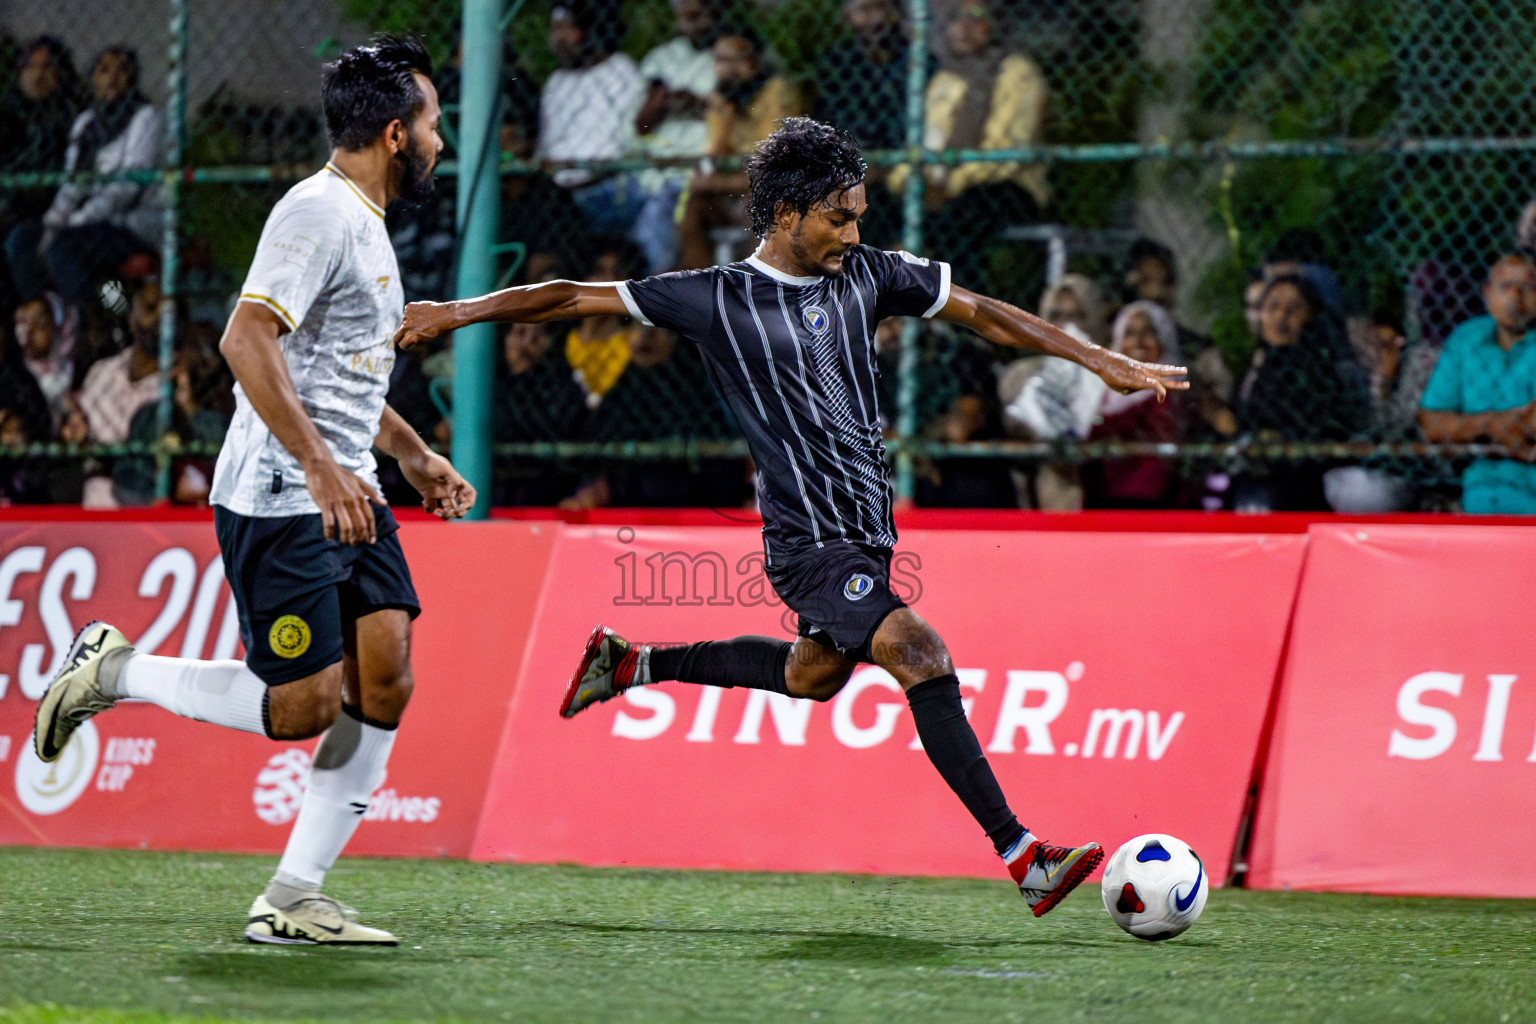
(324, 265)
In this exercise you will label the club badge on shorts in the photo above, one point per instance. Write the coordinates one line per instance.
(289, 637)
(816, 320)
(858, 587)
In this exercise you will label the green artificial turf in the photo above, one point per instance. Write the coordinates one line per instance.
(111, 937)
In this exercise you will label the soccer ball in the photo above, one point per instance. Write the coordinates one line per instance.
(1155, 887)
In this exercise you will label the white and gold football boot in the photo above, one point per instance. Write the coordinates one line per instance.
(317, 920)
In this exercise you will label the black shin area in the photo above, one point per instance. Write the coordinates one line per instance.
(952, 746)
(753, 661)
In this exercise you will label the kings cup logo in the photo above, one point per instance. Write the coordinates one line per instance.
(858, 587)
(816, 320)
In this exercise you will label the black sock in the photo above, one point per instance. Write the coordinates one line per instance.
(952, 746)
(753, 661)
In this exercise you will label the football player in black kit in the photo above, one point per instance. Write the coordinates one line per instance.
(788, 335)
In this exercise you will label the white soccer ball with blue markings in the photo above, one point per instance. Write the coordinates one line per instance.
(1155, 887)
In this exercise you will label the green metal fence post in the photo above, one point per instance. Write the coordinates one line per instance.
(170, 270)
(912, 241)
(479, 210)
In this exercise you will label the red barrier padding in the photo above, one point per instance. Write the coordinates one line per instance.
(1118, 682)
(1402, 757)
(141, 777)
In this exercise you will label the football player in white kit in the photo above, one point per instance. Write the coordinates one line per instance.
(319, 578)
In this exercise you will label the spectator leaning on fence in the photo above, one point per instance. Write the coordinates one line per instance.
(981, 97)
(1484, 389)
(91, 231)
(46, 332)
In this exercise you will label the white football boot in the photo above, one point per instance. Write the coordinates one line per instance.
(85, 685)
(317, 920)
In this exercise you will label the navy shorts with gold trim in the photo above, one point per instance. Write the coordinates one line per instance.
(842, 592)
(294, 590)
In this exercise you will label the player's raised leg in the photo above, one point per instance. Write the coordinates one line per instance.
(910, 649)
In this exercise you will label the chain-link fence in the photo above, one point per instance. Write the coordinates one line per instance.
(1300, 202)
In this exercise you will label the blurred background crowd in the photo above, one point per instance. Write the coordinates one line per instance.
(1345, 312)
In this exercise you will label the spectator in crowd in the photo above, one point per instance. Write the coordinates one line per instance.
(680, 77)
(1143, 330)
(536, 399)
(663, 394)
(1484, 389)
(1152, 275)
(1049, 398)
(91, 231)
(23, 406)
(599, 348)
(202, 404)
(1304, 384)
(1253, 302)
(35, 117)
(45, 331)
(981, 97)
(116, 387)
(748, 102)
(587, 110)
(1300, 251)
(955, 401)
(862, 87)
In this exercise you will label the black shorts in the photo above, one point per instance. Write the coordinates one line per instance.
(294, 589)
(842, 592)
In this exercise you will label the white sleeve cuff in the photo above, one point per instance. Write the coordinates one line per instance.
(622, 287)
(943, 298)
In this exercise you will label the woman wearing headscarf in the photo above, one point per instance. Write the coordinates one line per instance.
(91, 230)
(1304, 384)
(1142, 330)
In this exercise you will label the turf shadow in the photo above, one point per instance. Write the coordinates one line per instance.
(271, 968)
(849, 947)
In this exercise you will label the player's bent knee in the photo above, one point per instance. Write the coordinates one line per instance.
(306, 707)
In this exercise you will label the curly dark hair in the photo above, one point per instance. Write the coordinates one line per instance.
(801, 164)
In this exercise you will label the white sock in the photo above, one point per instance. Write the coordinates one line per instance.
(348, 767)
(225, 693)
(1017, 849)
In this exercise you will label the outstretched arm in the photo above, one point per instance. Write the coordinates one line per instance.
(1009, 325)
(528, 304)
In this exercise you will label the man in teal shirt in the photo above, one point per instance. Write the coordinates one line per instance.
(1484, 389)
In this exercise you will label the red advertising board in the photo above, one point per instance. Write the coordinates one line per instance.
(1405, 717)
(138, 776)
(1118, 682)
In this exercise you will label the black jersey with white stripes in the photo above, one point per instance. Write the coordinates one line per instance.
(795, 358)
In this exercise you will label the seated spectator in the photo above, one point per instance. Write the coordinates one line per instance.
(45, 330)
(1304, 384)
(116, 387)
(202, 405)
(1152, 275)
(1484, 389)
(679, 76)
(587, 110)
(90, 231)
(598, 348)
(1143, 330)
(536, 399)
(1047, 398)
(35, 117)
(1300, 251)
(663, 394)
(981, 97)
(23, 406)
(746, 106)
(862, 88)
(955, 401)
